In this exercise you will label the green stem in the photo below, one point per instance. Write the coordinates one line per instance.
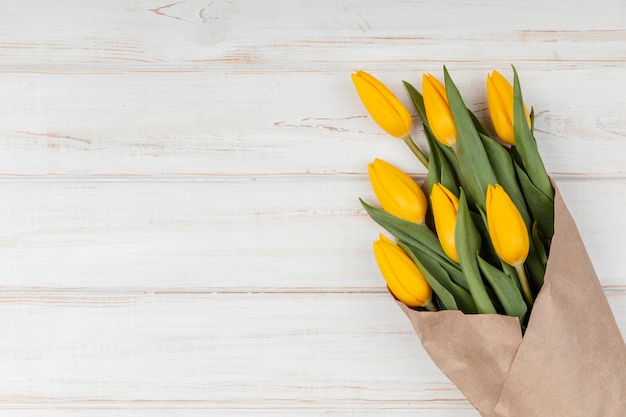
(430, 306)
(416, 150)
(521, 274)
(455, 148)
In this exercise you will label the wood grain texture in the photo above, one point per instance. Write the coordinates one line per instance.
(332, 352)
(179, 225)
(237, 234)
(216, 123)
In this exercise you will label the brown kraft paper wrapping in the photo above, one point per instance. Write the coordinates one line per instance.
(571, 361)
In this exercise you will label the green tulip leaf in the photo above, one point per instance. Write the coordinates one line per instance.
(473, 161)
(467, 240)
(506, 289)
(448, 164)
(456, 275)
(434, 166)
(504, 170)
(446, 299)
(535, 267)
(477, 125)
(442, 172)
(418, 101)
(541, 207)
(450, 171)
(538, 242)
(415, 235)
(527, 145)
(431, 266)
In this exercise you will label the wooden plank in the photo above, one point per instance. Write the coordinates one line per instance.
(230, 234)
(156, 34)
(337, 353)
(218, 123)
(179, 226)
(216, 350)
(185, 409)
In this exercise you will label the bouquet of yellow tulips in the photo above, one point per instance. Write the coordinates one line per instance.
(487, 262)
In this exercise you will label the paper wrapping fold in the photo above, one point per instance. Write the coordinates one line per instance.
(571, 361)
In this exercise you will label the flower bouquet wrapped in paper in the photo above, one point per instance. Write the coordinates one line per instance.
(487, 262)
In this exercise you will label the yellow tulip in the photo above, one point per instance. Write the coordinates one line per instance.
(404, 279)
(438, 110)
(445, 206)
(500, 101)
(396, 192)
(507, 229)
(382, 105)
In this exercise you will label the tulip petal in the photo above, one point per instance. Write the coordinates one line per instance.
(508, 232)
(398, 193)
(386, 110)
(501, 109)
(500, 102)
(444, 207)
(403, 277)
(386, 268)
(446, 167)
(504, 169)
(440, 118)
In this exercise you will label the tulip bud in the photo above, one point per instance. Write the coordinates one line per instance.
(404, 279)
(382, 105)
(397, 193)
(445, 206)
(438, 110)
(500, 101)
(507, 229)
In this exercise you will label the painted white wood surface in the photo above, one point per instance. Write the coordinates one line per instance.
(179, 225)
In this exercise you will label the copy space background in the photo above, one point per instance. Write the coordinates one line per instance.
(179, 225)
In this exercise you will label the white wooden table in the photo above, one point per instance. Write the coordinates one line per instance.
(179, 225)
